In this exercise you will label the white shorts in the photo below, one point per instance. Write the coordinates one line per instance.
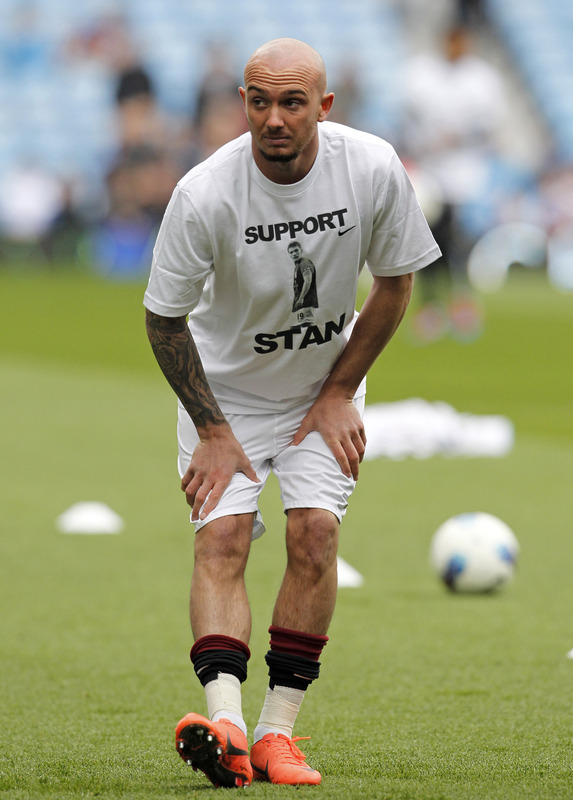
(309, 476)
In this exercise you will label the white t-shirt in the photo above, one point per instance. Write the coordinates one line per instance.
(268, 272)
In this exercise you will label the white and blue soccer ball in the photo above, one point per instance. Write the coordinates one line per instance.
(474, 552)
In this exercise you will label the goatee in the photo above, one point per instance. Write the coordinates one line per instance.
(278, 158)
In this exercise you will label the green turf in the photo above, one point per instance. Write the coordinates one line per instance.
(423, 695)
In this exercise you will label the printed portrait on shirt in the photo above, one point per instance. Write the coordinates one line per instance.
(304, 284)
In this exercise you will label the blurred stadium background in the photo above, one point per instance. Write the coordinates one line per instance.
(104, 104)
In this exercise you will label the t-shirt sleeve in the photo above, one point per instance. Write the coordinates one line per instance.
(182, 260)
(401, 238)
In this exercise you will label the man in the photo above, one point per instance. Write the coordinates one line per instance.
(304, 285)
(258, 393)
(454, 113)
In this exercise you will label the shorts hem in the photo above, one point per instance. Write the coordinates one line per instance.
(336, 510)
(258, 524)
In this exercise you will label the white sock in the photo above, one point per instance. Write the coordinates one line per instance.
(223, 697)
(279, 711)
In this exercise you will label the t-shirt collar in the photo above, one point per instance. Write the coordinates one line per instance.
(291, 189)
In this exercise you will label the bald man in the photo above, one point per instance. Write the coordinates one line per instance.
(261, 392)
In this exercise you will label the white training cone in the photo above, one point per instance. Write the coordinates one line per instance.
(348, 576)
(89, 518)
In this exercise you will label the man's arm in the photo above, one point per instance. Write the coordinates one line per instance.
(333, 413)
(177, 355)
(218, 455)
(307, 276)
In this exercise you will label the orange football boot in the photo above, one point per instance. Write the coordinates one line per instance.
(218, 749)
(277, 759)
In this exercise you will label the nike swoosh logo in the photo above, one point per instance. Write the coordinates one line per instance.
(263, 772)
(341, 233)
(231, 750)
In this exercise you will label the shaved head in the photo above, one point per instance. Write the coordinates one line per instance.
(285, 98)
(290, 59)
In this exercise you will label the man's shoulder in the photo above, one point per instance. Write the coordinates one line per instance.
(223, 163)
(334, 134)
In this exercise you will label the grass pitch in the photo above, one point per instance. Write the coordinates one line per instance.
(423, 695)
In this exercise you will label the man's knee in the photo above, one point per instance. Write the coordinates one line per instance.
(312, 539)
(224, 543)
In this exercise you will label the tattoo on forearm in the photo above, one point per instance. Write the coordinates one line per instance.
(180, 362)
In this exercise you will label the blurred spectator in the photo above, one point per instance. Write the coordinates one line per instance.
(219, 82)
(139, 186)
(133, 81)
(471, 13)
(555, 197)
(31, 198)
(219, 115)
(106, 40)
(454, 110)
(425, 19)
(556, 194)
(145, 166)
(348, 95)
(222, 120)
(140, 120)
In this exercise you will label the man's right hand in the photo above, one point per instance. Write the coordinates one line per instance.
(215, 460)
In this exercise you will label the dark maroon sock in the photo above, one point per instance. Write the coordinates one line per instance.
(293, 657)
(218, 653)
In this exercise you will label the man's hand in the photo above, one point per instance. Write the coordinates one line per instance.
(215, 460)
(340, 425)
(333, 413)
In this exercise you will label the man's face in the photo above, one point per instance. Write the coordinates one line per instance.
(295, 252)
(282, 121)
(283, 108)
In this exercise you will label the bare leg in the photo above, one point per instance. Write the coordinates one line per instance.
(219, 602)
(307, 595)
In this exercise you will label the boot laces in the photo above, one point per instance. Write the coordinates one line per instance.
(288, 748)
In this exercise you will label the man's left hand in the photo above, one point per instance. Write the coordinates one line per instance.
(339, 423)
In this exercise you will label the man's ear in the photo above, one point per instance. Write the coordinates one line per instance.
(325, 106)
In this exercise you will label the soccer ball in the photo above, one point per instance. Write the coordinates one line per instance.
(474, 552)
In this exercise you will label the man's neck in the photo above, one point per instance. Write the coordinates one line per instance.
(286, 172)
